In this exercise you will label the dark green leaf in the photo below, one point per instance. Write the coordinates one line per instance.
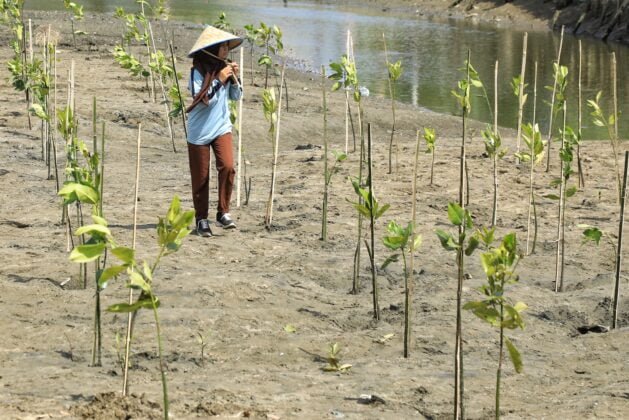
(516, 358)
(87, 253)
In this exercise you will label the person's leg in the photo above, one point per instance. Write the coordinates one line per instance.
(223, 150)
(199, 159)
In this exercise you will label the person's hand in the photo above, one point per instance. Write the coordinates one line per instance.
(225, 74)
(235, 68)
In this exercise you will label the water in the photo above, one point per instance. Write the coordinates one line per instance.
(432, 52)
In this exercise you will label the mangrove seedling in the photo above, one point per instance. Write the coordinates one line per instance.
(608, 122)
(395, 71)
(171, 230)
(270, 39)
(401, 239)
(77, 14)
(461, 218)
(431, 144)
(496, 309)
(334, 362)
(534, 155)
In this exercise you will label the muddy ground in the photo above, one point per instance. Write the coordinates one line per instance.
(242, 288)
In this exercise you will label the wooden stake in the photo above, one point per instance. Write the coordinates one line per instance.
(372, 216)
(552, 103)
(494, 215)
(410, 275)
(616, 297)
(269, 207)
(521, 93)
(579, 165)
(347, 108)
(125, 379)
(559, 262)
(183, 112)
(324, 216)
(240, 111)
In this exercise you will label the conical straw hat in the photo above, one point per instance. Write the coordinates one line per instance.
(212, 36)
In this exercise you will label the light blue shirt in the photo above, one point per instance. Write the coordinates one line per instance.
(207, 122)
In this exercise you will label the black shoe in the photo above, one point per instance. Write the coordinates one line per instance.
(203, 228)
(225, 221)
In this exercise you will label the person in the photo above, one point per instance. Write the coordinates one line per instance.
(213, 82)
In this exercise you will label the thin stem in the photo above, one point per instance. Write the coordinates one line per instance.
(616, 296)
(372, 217)
(521, 92)
(324, 218)
(552, 102)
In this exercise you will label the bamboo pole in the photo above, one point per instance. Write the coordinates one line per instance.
(183, 112)
(347, 109)
(324, 216)
(580, 132)
(269, 208)
(494, 215)
(521, 93)
(559, 257)
(372, 217)
(392, 94)
(616, 297)
(410, 276)
(125, 379)
(552, 102)
(164, 96)
(240, 111)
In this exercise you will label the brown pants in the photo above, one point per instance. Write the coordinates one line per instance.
(199, 158)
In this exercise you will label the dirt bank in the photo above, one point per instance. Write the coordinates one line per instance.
(269, 303)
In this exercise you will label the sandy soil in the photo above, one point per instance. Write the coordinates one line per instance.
(241, 288)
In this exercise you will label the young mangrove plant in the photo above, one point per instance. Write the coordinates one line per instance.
(395, 71)
(368, 206)
(272, 113)
(401, 239)
(431, 144)
(77, 14)
(496, 309)
(171, 230)
(345, 75)
(270, 39)
(518, 86)
(464, 246)
(534, 154)
(553, 109)
(608, 123)
(334, 362)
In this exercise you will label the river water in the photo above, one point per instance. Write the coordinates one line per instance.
(432, 52)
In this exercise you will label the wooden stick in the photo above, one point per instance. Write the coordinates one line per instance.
(552, 103)
(559, 263)
(347, 108)
(324, 216)
(372, 222)
(494, 215)
(410, 276)
(580, 132)
(616, 297)
(521, 93)
(269, 209)
(240, 110)
(183, 112)
(125, 379)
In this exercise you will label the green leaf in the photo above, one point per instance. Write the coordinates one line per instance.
(571, 191)
(552, 196)
(73, 191)
(593, 234)
(472, 245)
(124, 254)
(93, 229)
(99, 220)
(391, 259)
(87, 253)
(110, 273)
(136, 281)
(290, 328)
(447, 241)
(516, 358)
(456, 214)
(126, 308)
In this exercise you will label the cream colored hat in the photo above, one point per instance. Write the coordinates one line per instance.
(212, 36)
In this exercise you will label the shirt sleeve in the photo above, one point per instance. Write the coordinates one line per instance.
(235, 92)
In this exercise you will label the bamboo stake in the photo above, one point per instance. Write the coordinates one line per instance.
(240, 110)
(324, 217)
(372, 249)
(125, 380)
(269, 208)
(102, 168)
(532, 175)
(183, 113)
(616, 297)
(559, 262)
(148, 50)
(552, 103)
(494, 215)
(579, 165)
(410, 276)
(54, 116)
(521, 93)
(347, 109)
(459, 393)
(164, 97)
